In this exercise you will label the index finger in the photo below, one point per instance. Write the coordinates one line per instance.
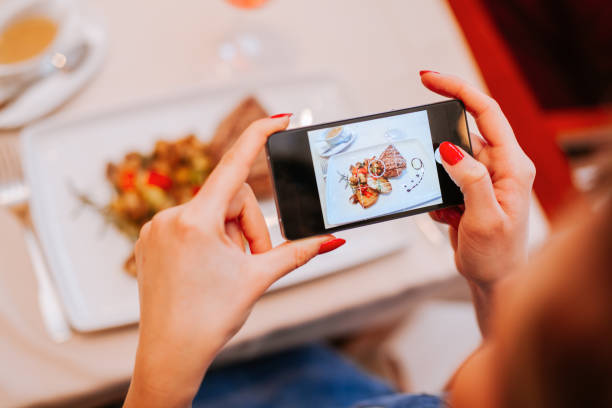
(233, 169)
(490, 119)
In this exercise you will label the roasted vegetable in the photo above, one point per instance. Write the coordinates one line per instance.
(148, 183)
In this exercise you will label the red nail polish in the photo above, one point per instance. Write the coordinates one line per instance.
(280, 115)
(427, 72)
(450, 153)
(331, 244)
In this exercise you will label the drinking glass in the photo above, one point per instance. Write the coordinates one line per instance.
(250, 48)
(247, 4)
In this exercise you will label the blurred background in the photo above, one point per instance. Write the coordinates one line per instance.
(86, 86)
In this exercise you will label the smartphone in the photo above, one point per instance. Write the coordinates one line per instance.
(360, 171)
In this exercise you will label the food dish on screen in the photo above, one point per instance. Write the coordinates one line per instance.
(378, 180)
(370, 177)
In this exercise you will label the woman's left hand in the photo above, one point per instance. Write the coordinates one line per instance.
(197, 284)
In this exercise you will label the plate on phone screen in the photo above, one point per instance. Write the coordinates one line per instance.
(417, 184)
(86, 255)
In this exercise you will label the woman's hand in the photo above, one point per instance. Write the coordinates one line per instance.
(489, 234)
(197, 284)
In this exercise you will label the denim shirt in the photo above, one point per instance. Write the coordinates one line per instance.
(309, 376)
(403, 401)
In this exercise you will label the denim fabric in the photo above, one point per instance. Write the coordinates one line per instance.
(403, 401)
(308, 376)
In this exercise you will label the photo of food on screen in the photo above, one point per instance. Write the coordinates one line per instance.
(375, 167)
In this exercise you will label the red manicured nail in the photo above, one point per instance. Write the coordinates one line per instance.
(331, 244)
(280, 115)
(450, 153)
(427, 72)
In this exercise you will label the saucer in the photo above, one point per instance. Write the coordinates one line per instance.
(49, 93)
(325, 151)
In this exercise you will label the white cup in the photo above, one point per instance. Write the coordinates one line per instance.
(336, 135)
(60, 11)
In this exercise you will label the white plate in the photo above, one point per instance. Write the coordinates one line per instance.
(86, 255)
(426, 191)
(49, 93)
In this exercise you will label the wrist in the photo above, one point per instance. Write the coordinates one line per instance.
(159, 383)
(145, 393)
(166, 375)
(484, 288)
(484, 273)
(482, 298)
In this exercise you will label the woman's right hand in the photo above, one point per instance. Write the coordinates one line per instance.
(197, 283)
(490, 235)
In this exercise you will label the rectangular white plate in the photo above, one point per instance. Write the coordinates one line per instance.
(424, 192)
(85, 255)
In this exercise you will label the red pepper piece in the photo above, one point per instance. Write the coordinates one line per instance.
(126, 180)
(160, 180)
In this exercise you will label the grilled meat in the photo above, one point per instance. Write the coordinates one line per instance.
(394, 162)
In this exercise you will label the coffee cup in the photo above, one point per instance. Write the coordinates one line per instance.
(30, 31)
(336, 135)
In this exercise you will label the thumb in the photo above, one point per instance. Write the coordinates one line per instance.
(279, 261)
(473, 179)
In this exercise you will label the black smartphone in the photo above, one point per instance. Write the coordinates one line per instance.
(364, 170)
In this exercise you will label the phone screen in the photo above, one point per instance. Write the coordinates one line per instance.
(375, 167)
(363, 170)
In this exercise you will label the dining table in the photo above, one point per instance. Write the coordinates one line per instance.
(374, 49)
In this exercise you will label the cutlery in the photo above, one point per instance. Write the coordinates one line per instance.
(58, 62)
(324, 163)
(14, 193)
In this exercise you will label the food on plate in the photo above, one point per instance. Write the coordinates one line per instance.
(146, 183)
(171, 174)
(376, 168)
(228, 131)
(394, 162)
(364, 185)
(366, 196)
(380, 184)
(370, 178)
(416, 163)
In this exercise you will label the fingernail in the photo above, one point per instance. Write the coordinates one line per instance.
(427, 72)
(280, 115)
(331, 244)
(450, 153)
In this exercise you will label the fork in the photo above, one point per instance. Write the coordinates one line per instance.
(324, 168)
(13, 194)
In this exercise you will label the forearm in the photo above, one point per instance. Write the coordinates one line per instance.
(142, 394)
(165, 378)
(482, 298)
(483, 277)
